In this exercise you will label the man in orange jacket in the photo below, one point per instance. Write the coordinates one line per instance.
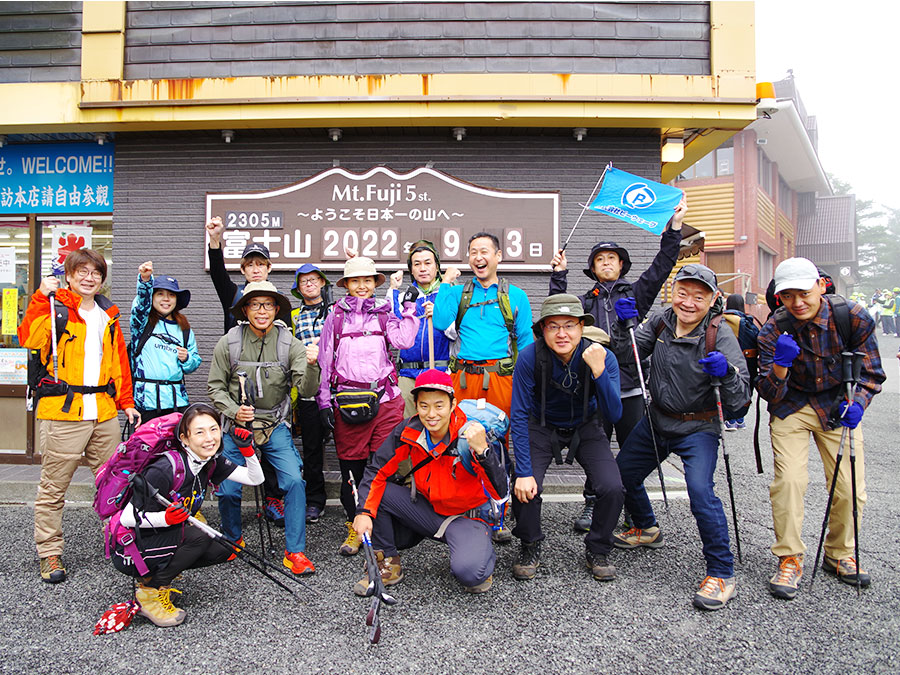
(454, 469)
(77, 403)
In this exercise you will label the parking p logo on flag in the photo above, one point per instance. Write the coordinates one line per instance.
(636, 200)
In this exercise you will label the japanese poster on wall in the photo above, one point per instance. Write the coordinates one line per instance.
(10, 311)
(7, 265)
(380, 213)
(65, 239)
(14, 366)
(56, 178)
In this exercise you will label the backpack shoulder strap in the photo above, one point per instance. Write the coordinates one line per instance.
(235, 338)
(283, 347)
(185, 337)
(542, 368)
(712, 331)
(509, 316)
(841, 311)
(464, 302)
(139, 347)
(179, 472)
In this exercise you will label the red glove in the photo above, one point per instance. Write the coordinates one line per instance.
(243, 439)
(176, 513)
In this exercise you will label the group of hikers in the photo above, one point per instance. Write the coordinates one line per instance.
(591, 368)
(884, 306)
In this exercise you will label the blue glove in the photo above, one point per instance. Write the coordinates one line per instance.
(626, 309)
(851, 415)
(786, 350)
(715, 364)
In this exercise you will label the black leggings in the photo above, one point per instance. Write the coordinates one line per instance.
(168, 554)
(357, 467)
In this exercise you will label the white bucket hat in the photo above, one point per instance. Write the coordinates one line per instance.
(360, 266)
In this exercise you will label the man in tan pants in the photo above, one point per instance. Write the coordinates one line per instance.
(77, 402)
(800, 375)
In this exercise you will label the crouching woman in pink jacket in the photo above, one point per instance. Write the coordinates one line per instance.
(359, 398)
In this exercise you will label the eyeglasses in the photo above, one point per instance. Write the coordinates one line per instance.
(256, 305)
(568, 327)
(314, 281)
(84, 272)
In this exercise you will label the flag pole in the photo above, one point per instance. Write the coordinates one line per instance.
(584, 208)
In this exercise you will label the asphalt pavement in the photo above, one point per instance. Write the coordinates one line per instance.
(562, 621)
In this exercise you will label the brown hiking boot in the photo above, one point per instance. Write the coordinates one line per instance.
(351, 543)
(391, 573)
(599, 565)
(156, 605)
(846, 570)
(52, 570)
(527, 562)
(714, 593)
(483, 587)
(786, 581)
(650, 537)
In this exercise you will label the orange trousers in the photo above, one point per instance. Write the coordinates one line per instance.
(498, 392)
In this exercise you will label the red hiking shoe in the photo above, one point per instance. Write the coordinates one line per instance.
(298, 563)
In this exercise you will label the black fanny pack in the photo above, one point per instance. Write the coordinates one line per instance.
(358, 406)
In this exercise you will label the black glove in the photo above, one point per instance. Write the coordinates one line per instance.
(326, 415)
(411, 294)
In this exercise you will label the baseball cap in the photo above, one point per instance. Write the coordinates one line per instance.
(698, 272)
(434, 379)
(256, 249)
(796, 273)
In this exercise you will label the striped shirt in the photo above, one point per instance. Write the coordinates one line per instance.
(815, 376)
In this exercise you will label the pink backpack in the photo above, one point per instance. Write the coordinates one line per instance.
(113, 482)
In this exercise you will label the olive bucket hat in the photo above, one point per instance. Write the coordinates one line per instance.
(562, 304)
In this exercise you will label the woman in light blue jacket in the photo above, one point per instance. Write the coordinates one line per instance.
(162, 348)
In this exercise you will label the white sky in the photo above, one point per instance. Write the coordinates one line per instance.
(843, 56)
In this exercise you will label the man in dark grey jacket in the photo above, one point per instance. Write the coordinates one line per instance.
(693, 350)
(607, 266)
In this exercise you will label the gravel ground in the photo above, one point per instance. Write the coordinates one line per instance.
(563, 621)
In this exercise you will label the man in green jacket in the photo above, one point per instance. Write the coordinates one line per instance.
(254, 366)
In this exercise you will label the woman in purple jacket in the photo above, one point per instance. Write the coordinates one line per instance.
(359, 399)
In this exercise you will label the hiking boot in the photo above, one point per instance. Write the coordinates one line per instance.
(730, 425)
(786, 581)
(501, 535)
(483, 587)
(583, 522)
(52, 570)
(527, 562)
(313, 513)
(391, 573)
(846, 570)
(156, 605)
(239, 542)
(599, 565)
(714, 593)
(298, 563)
(351, 543)
(740, 424)
(650, 537)
(275, 511)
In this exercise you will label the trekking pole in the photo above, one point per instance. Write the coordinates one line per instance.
(716, 383)
(584, 208)
(52, 297)
(375, 588)
(851, 366)
(429, 325)
(256, 561)
(260, 516)
(637, 361)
